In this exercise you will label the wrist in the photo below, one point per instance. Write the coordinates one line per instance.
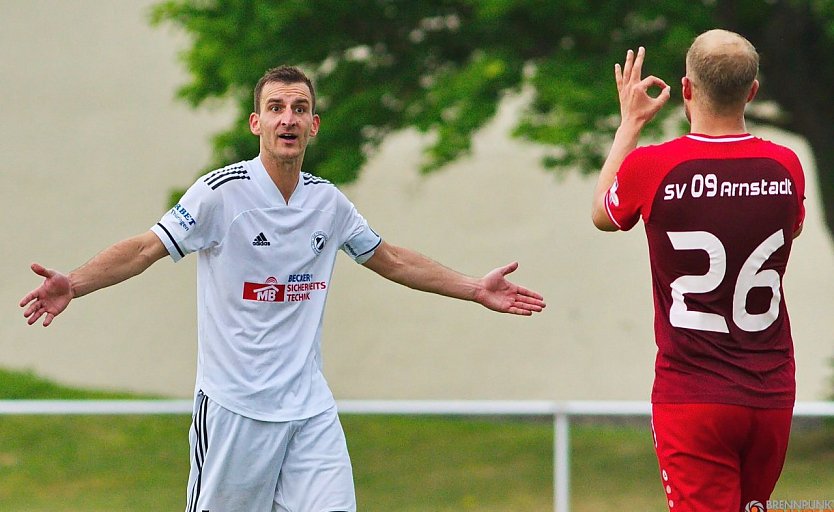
(74, 285)
(478, 291)
(629, 129)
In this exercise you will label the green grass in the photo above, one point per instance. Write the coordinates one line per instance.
(18, 385)
(140, 463)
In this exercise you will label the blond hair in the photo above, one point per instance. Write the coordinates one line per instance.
(723, 65)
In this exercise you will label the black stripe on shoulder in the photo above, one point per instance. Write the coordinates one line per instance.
(220, 176)
(176, 246)
(309, 179)
(228, 179)
(224, 170)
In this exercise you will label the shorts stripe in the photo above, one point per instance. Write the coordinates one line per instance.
(200, 448)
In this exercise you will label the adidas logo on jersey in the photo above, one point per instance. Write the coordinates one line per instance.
(260, 240)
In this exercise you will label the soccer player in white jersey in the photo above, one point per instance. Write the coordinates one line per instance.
(265, 434)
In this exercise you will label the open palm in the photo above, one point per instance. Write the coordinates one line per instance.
(49, 299)
(501, 295)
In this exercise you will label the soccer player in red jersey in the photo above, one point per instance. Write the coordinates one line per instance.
(720, 209)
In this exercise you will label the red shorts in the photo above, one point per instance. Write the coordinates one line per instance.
(719, 457)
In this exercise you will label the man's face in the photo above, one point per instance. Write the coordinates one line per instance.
(286, 121)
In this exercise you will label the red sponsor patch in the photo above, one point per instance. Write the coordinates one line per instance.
(270, 291)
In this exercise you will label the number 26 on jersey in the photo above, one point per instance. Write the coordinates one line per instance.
(750, 276)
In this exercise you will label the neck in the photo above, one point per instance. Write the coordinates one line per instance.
(708, 123)
(284, 173)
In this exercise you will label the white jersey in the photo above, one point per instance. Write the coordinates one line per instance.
(263, 274)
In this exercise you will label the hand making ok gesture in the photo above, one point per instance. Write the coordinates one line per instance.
(636, 105)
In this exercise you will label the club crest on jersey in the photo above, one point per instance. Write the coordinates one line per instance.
(270, 291)
(318, 241)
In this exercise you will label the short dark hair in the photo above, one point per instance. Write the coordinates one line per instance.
(284, 75)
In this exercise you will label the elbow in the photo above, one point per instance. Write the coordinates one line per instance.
(147, 249)
(387, 261)
(601, 220)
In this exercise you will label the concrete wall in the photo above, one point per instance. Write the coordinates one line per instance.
(92, 141)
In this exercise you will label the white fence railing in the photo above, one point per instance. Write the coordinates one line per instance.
(559, 411)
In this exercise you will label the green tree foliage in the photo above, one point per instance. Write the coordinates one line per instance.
(442, 66)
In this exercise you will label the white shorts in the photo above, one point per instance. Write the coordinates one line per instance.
(243, 465)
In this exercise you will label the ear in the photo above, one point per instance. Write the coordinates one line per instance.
(315, 128)
(686, 88)
(753, 90)
(255, 123)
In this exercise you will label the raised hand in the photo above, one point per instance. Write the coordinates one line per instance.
(636, 105)
(501, 295)
(49, 299)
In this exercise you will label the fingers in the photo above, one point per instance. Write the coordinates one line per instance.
(32, 309)
(33, 301)
(637, 105)
(33, 313)
(632, 68)
(33, 295)
(47, 318)
(665, 94)
(526, 302)
(653, 81)
(509, 269)
(655, 103)
(37, 310)
(41, 270)
(530, 296)
(633, 65)
(531, 303)
(637, 69)
(628, 65)
(28, 298)
(525, 307)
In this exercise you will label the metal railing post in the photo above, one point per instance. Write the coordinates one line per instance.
(561, 462)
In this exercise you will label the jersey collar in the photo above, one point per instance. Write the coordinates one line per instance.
(721, 138)
(268, 186)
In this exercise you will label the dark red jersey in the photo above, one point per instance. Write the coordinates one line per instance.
(719, 214)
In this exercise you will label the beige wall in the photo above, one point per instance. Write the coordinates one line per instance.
(92, 140)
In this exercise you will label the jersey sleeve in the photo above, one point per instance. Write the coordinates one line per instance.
(190, 225)
(624, 200)
(360, 241)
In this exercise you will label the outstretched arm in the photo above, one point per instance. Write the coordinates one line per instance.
(636, 109)
(113, 265)
(492, 291)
